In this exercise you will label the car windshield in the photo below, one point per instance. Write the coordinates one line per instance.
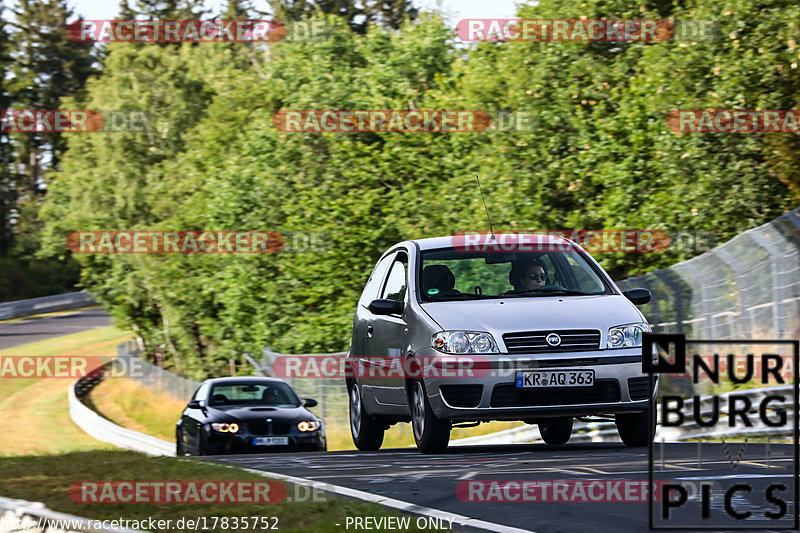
(452, 274)
(273, 394)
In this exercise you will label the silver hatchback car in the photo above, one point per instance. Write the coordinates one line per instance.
(451, 333)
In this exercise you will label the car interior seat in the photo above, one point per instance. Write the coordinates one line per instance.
(219, 399)
(440, 278)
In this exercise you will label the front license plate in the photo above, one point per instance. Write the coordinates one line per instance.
(270, 441)
(555, 378)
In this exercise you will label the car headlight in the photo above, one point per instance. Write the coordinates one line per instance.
(308, 425)
(225, 428)
(464, 342)
(626, 336)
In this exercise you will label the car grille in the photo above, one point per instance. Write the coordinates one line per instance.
(263, 428)
(639, 388)
(462, 395)
(568, 362)
(572, 340)
(508, 395)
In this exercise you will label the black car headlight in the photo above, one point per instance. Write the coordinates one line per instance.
(225, 428)
(308, 425)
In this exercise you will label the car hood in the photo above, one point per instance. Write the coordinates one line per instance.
(259, 414)
(535, 313)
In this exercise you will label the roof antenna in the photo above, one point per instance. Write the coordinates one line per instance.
(486, 208)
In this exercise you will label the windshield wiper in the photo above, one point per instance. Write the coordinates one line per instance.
(462, 296)
(546, 292)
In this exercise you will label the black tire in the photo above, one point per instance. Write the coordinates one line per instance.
(634, 428)
(556, 431)
(431, 434)
(367, 432)
(179, 451)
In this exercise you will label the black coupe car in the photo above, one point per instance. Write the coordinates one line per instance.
(248, 415)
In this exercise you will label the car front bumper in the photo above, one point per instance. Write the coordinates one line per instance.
(219, 444)
(619, 387)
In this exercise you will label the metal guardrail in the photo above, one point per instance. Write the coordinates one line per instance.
(45, 304)
(607, 431)
(21, 515)
(107, 431)
(746, 288)
(153, 377)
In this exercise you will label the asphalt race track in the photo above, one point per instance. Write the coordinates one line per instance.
(431, 480)
(48, 327)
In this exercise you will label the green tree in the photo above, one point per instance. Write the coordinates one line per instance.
(358, 14)
(48, 65)
(162, 9)
(600, 155)
(131, 176)
(6, 179)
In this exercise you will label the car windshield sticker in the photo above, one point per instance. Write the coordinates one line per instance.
(433, 291)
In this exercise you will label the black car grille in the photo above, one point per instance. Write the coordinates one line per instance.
(462, 395)
(508, 395)
(572, 340)
(280, 429)
(266, 428)
(639, 388)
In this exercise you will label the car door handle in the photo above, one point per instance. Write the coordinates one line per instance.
(370, 330)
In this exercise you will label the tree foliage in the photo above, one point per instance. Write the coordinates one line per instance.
(359, 14)
(600, 155)
(39, 65)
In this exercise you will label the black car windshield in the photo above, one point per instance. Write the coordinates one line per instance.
(273, 394)
(455, 275)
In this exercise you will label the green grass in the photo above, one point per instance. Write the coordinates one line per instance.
(48, 478)
(37, 409)
(128, 404)
(44, 452)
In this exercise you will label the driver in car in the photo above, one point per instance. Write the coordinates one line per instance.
(530, 277)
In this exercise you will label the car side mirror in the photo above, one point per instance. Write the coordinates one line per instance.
(638, 296)
(194, 404)
(309, 402)
(386, 307)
